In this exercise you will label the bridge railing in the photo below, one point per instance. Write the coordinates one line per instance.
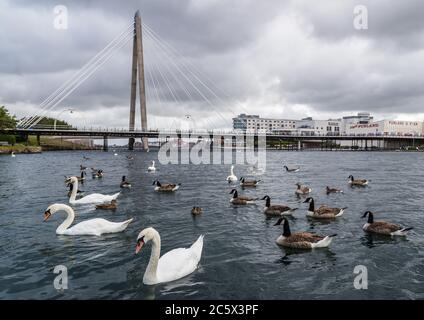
(106, 130)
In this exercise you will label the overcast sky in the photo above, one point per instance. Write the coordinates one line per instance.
(284, 59)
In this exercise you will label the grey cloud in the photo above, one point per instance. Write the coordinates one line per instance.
(270, 55)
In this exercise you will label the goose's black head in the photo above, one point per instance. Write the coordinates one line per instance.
(123, 178)
(308, 200)
(286, 227)
(233, 191)
(370, 216)
(279, 221)
(157, 183)
(266, 197)
(242, 179)
(286, 167)
(350, 177)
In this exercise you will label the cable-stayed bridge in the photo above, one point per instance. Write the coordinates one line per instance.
(168, 79)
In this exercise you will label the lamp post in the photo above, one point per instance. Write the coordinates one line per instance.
(64, 110)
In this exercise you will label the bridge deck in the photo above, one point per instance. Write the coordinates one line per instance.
(118, 133)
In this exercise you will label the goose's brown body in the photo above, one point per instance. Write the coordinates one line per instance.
(383, 227)
(324, 211)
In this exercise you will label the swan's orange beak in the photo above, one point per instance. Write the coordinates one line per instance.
(140, 244)
(47, 215)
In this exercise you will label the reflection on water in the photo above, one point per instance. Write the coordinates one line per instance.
(240, 258)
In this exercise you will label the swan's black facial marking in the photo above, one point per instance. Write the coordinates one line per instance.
(140, 244)
(47, 215)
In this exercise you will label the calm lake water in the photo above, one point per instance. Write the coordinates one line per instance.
(240, 257)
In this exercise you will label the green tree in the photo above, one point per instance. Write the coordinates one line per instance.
(7, 121)
(50, 123)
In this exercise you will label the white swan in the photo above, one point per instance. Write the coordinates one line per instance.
(152, 167)
(92, 227)
(13, 154)
(174, 264)
(232, 177)
(91, 198)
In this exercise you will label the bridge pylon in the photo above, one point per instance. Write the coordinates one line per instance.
(138, 76)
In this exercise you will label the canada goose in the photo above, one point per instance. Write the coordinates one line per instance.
(108, 206)
(232, 177)
(195, 211)
(276, 210)
(301, 190)
(323, 212)
(98, 174)
(169, 187)
(241, 200)
(125, 183)
(383, 227)
(248, 183)
(333, 190)
(357, 182)
(294, 169)
(301, 240)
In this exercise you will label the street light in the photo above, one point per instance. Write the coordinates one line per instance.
(55, 120)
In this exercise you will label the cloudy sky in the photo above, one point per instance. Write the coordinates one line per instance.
(275, 58)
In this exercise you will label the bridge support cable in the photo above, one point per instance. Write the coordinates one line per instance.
(185, 76)
(86, 71)
(83, 78)
(45, 102)
(169, 70)
(191, 68)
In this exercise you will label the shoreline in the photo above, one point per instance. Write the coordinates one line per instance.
(7, 150)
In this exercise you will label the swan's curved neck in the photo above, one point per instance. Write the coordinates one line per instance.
(68, 221)
(150, 276)
(74, 191)
(232, 170)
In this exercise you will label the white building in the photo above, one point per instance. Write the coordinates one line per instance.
(360, 118)
(254, 123)
(361, 124)
(386, 128)
(308, 126)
